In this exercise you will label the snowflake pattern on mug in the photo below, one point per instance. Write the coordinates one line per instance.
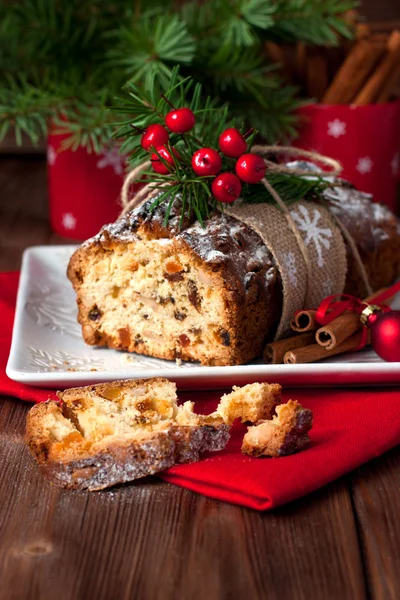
(51, 155)
(290, 263)
(364, 165)
(336, 128)
(112, 158)
(68, 221)
(395, 164)
(313, 232)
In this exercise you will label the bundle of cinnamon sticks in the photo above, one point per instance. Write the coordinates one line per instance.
(363, 72)
(312, 342)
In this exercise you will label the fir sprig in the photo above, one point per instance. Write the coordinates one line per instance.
(63, 55)
(194, 191)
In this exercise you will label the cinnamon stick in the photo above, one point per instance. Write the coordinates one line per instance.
(275, 351)
(314, 352)
(276, 54)
(354, 72)
(304, 321)
(363, 31)
(390, 86)
(338, 330)
(342, 327)
(371, 90)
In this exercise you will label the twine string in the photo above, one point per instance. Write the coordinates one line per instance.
(273, 167)
(150, 190)
(356, 255)
(134, 175)
(293, 227)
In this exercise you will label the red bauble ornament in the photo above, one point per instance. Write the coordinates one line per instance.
(206, 161)
(250, 168)
(180, 120)
(165, 153)
(226, 187)
(154, 137)
(232, 143)
(385, 334)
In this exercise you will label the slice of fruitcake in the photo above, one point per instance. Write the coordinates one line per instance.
(97, 436)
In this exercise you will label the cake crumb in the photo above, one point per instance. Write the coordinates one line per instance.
(251, 403)
(285, 434)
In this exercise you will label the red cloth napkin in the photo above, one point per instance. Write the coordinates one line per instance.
(350, 428)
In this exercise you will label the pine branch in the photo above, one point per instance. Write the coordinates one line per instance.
(314, 22)
(73, 52)
(26, 109)
(150, 45)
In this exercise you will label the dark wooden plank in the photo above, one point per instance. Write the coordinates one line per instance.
(376, 495)
(152, 540)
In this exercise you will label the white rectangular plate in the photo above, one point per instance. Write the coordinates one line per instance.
(47, 348)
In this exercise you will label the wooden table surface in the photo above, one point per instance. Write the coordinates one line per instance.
(152, 540)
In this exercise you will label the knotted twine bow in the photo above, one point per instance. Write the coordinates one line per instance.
(335, 305)
(150, 190)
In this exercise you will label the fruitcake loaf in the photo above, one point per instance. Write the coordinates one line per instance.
(97, 436)
(211, 294)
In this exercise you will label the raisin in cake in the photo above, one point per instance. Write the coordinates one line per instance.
(101, 435)
(209, 294)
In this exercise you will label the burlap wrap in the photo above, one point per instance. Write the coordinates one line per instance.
(323, 245)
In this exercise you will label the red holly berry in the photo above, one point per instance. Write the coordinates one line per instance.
(250, 168)
(226, 187)
(180, 120)
(232, 143)
(160, 167)
(154, 137)
(206, 161)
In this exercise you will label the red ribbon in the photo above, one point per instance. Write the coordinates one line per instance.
(333, 306)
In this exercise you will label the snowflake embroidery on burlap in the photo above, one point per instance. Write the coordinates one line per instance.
(336, 128)
(112, 158)
(314, 233)
(327, 287)
(290, 263)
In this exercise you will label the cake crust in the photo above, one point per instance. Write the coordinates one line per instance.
(98, 436)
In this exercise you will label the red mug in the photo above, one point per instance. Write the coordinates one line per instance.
(84, 188)
(365, 139)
